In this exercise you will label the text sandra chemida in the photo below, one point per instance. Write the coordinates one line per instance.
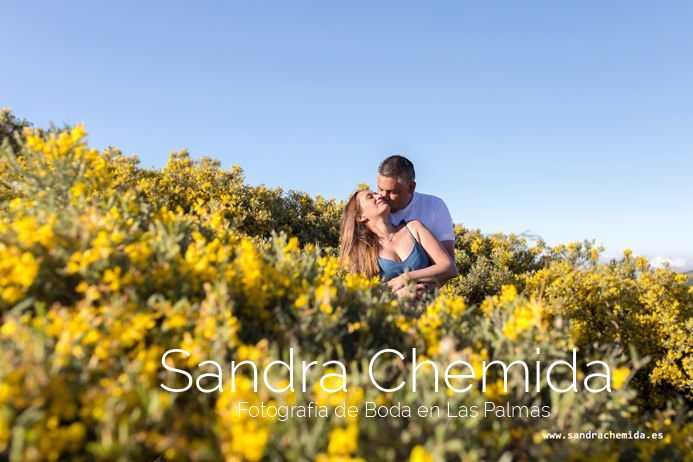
(458, 376)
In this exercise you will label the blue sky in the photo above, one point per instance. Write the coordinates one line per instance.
(570, 119)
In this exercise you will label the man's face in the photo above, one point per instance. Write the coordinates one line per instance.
(397, 192)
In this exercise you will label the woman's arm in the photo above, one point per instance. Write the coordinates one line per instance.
(442, 267)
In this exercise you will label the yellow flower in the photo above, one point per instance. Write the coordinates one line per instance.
(619, 377)
(242, 436)
(496, 390)
(324, 294)
(477, 245)
(526, 316)
(8, 328)
(291, 248)
(77, 190)
(508, 293)
(175, 321)
(301, 301)
(344, 441)
(419, 454)
(112, 278)
(17, 272)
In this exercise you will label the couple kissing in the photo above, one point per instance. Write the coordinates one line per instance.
(404, 237)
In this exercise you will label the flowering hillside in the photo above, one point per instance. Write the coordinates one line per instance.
(105, 266)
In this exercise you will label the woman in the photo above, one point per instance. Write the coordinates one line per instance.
(370, 244)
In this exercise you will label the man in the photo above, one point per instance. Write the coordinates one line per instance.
(396, 183)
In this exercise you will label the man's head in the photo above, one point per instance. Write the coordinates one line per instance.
(396, 181)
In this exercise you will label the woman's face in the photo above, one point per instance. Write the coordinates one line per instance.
(372, 204)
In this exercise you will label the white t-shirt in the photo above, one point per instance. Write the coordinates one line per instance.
(429, 210)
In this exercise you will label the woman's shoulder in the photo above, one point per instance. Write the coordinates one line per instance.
(415, 224)
(416, 228)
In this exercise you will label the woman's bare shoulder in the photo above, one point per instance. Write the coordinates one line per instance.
(417, 228)
(416, 225)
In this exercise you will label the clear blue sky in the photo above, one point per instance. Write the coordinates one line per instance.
(572, 119)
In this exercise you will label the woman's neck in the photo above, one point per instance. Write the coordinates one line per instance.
(382, 227)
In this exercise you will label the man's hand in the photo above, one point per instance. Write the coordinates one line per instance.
(398, 283)
(401, 286)
(416, 292)
(426, 286)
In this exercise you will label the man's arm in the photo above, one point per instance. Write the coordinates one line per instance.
(421, 287)
(450, 247)
(445, 230)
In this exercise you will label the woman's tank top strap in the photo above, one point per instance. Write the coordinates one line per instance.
(411, 234)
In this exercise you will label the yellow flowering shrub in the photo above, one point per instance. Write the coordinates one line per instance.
(487, 263)
(104, 266)
(624, 302)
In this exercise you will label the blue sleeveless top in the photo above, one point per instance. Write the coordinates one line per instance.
(417, 259)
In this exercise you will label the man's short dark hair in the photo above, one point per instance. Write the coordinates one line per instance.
(397, 166)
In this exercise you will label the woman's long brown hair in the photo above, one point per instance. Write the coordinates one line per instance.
(358, 245)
